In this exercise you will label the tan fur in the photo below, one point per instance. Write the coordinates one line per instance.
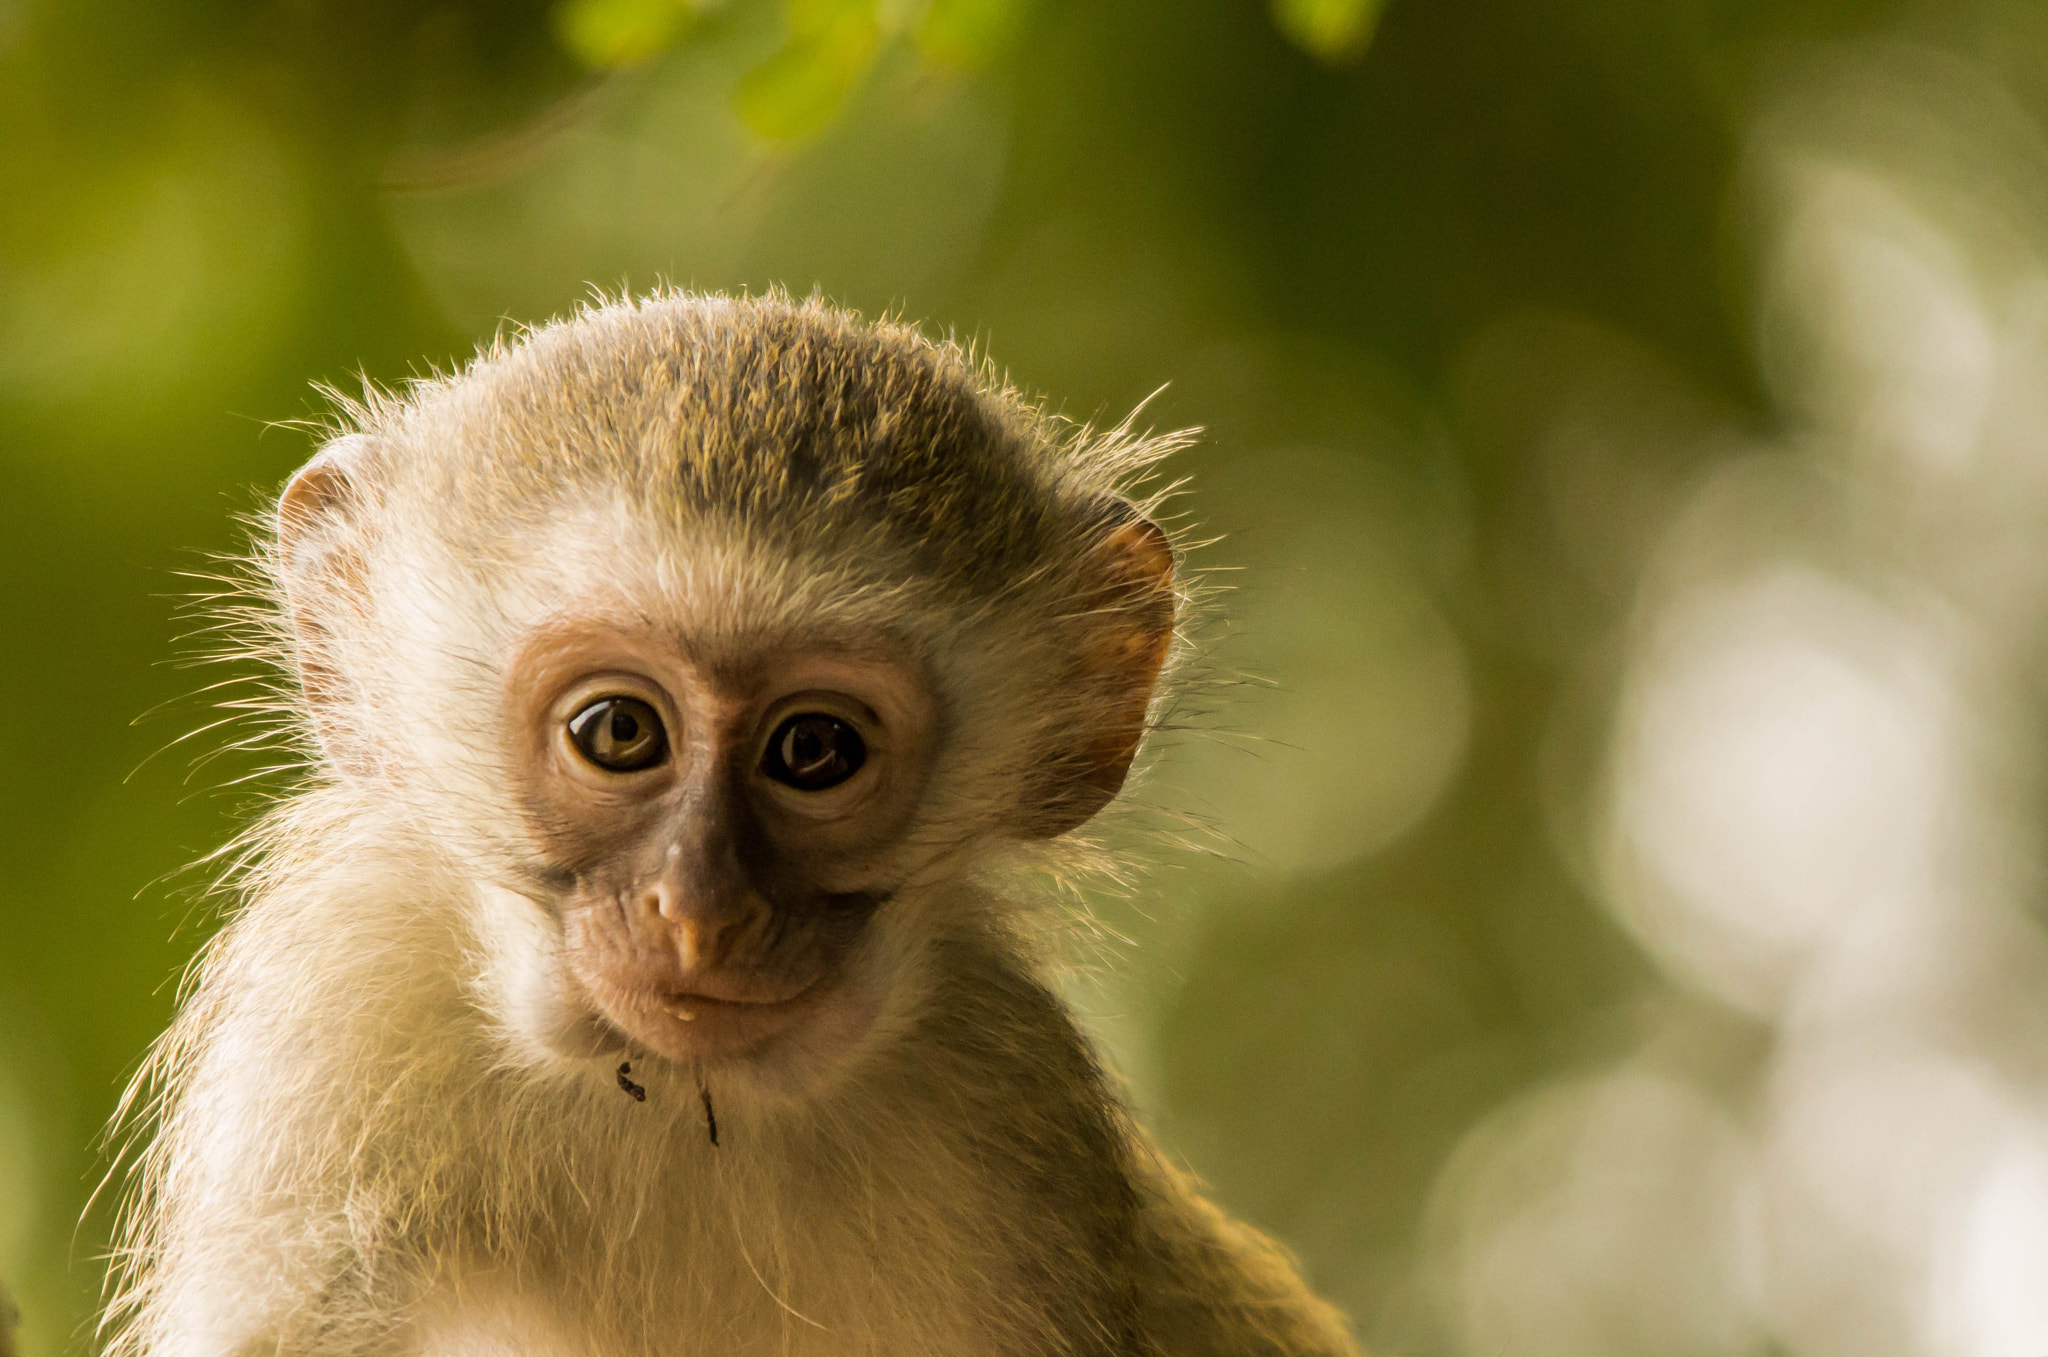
(358, 1143)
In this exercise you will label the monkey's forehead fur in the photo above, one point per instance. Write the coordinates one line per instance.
(795, 421)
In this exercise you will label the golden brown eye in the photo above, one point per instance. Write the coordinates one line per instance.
(619, 734)
(814, 752)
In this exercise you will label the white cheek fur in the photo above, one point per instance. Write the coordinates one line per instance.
(522, 983)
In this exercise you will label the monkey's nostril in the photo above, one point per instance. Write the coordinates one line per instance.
(856, 902)
(663, 902)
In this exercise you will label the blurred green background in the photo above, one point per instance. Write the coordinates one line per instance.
(1602, 918)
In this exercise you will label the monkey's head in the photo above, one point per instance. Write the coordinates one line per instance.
(709, 641)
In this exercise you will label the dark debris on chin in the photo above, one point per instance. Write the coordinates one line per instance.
(638, 1093)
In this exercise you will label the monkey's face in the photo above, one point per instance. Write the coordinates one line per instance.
(711, 773)
(721, 824)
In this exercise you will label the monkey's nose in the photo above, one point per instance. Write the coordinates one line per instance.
(702, 933)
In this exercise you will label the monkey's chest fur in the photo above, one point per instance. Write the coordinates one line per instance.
(877, 1224)
(885, 1252)
(889, 1256)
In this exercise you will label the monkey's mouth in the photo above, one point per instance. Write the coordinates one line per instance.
(693, 1026)
(719, 1017)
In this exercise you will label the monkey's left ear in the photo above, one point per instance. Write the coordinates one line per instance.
(1130, 628)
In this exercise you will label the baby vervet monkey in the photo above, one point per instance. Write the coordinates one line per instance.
(643, 968)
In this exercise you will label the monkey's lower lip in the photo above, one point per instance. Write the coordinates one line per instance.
(690, 1025)
(689, 1005)
(718, 989)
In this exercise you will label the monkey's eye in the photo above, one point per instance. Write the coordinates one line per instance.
(619, 734)
(813, 752)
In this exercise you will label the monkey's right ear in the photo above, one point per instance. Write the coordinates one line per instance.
(320, 569)
(318, 491)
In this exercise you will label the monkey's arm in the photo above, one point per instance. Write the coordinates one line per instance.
(1216, 1287)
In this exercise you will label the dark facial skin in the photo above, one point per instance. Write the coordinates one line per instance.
(710, 907)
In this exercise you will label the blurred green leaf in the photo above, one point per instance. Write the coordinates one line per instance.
(1334, 30)
(609, 34)
(966, 34)
(831, 47)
